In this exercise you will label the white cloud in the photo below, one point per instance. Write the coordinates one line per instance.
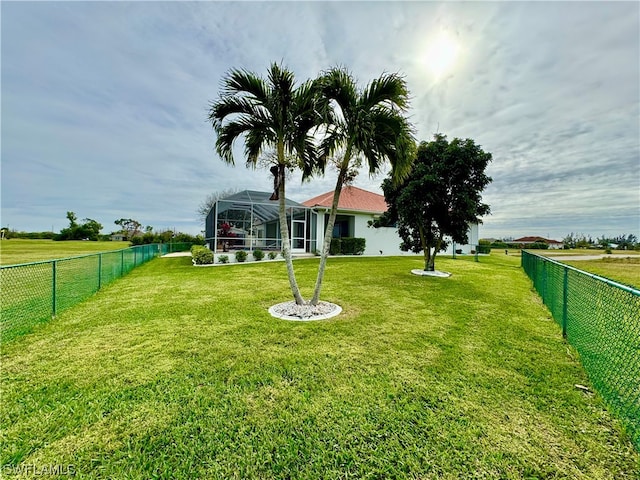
(104, 104)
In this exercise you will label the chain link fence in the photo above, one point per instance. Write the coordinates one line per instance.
(34, 292)
(601, 319)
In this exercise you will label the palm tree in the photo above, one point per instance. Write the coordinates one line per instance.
(270, 114)
(366, 125)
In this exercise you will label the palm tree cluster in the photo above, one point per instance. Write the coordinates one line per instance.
(306, 124)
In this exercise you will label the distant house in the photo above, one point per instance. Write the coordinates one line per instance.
(553, 244)
(118, 237)
(249, 220)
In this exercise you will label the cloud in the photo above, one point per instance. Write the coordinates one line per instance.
(104, 104)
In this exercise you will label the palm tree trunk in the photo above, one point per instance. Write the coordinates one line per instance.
(328, 235)
(284, 235)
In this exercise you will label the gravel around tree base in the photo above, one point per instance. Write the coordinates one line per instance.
(291, 311)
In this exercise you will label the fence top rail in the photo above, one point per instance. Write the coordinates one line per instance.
(41, 262)
(608, 281)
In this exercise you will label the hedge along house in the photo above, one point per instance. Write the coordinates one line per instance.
(248, 220)
(357, 208)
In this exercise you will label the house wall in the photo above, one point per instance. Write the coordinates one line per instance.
(386, 239)
(383, 239)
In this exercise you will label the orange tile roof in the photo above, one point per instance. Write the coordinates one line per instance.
(351, 198)
(534, 239)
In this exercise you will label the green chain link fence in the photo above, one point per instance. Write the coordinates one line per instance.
(34, 292)
(601, 319)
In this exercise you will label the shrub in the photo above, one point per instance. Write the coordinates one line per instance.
(272, 255)
(202, 256)
(484, 249)
(336, 246)
(258, 255)
(352, 246)
(223, 259)
(241, 256)
(537, 246)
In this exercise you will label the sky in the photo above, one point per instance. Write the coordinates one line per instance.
(104, 104)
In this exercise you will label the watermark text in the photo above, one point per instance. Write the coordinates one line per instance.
(44, 470)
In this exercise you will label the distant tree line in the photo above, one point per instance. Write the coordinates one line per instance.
(538, 245)
(89, 229)
(168, 236)
(620, 242)
(8, 234)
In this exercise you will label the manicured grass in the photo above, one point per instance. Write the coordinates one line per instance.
(19, 250)
(179, 372)
(620, 269)
(586, 251)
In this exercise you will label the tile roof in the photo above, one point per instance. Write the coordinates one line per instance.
(351, 198)
(534, 239)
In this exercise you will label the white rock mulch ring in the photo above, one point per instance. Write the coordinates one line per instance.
(305, 313)
(435, 273)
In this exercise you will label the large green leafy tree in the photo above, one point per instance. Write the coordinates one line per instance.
(89, 229)
(362, 126)
(441, 196)
(129, 226)
(272, 114)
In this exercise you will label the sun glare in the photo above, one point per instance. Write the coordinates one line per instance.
(441, 54)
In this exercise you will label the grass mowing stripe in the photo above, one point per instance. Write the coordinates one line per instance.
(179, 372)
(19, 250)
(623, 270)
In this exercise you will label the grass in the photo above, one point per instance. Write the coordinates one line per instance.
(179, 372)
(624, 270)
(18, 250)
(586, 251)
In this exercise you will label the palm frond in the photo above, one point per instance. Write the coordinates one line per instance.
(244, 82)
(338, 85)
(227, 135)
(390, 89)
(230, 106)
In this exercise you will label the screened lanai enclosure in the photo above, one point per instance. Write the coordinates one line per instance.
(248, 220)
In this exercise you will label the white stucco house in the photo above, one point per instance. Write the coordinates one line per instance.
(358, 207)
(248, 220)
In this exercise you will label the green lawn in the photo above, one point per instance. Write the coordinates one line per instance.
(623, 270)
(587, 251)
(19, 250)
(179, 372)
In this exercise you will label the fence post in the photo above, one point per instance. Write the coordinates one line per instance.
(53, 288)
(565, 296)
(99, 271)
(544, 282)
(121, 263)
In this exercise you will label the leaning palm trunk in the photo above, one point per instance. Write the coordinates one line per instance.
(328, 235)
(284, 235)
